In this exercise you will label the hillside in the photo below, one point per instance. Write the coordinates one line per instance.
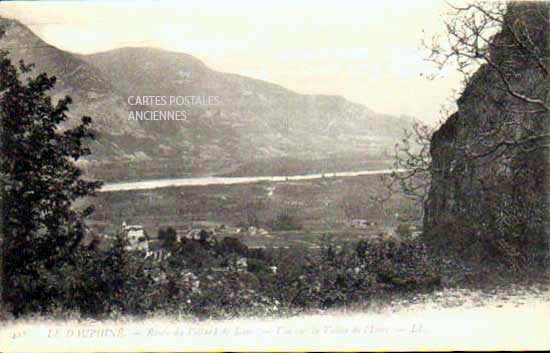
(248, 121)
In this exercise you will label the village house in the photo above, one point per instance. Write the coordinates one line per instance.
(361, 223)
(137, 237)
(138, 240)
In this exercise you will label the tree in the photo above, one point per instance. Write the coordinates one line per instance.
(490, 164)
(39, 183)
(480, 34)
(485, 169)
(504, 39)
(168, 236)
(412, 167)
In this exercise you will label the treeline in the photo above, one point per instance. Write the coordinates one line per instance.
(293, 166)
(205, 278)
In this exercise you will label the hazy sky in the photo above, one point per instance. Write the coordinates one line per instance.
(366, 51)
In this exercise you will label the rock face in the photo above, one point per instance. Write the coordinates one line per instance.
(490, 159)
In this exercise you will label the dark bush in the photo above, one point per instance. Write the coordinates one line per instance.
(258, 267)
(230, 245)
(194, 254)
(167, 236)
(284, 221)
(404, 265)
(404, 231)
(193, 281)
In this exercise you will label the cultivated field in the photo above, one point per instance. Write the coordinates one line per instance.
(314, 208)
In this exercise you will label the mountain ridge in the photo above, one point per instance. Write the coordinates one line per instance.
(255, 120)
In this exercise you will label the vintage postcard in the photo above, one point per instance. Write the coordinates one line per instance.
(274, 176)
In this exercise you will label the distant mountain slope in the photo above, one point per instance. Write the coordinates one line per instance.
(92, 93)
(249, 120)
(268, 118)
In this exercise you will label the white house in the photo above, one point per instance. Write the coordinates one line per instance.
(137, 237)
(360, 223)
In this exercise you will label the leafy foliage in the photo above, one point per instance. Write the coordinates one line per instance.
(403, 265)
(119, 282)
(168, 237)
(39, 183)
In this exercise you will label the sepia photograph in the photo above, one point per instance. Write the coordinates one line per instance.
(208, 175)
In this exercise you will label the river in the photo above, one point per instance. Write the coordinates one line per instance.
(201, 181)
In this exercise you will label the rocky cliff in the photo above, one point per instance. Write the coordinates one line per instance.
(489, 188)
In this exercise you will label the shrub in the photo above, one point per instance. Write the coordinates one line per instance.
(404, 231)
(230, 293)
(453, 238)
(285, 222)
(404, 265)
(193, 254)
(229, 245)
(332, 278)
(167, 236)
(342, 278)
(258, 267)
